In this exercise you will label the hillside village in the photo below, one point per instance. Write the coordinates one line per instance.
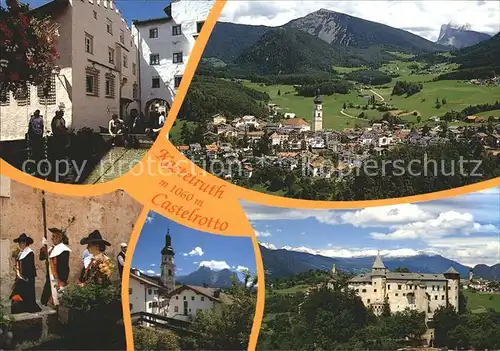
(242, 145)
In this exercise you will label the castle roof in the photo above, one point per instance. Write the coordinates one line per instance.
(451, 270)
(378, 263)
(396, 276)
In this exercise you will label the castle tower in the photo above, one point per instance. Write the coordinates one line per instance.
(318, 114)
(379, 284)
(471, 275)
(453, 278)
(334, 269)
(167, 264)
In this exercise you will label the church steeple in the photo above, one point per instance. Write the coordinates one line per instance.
(318, 113)
(167, 274)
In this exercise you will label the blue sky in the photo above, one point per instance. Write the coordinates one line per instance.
(463, 228)
(130, 9)
(192, 248)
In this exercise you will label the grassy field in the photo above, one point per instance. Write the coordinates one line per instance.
(489, 113)
(291, 290)
(479, 302)
(458, 95)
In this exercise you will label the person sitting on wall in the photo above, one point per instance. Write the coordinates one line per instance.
(116, 129)
(58, 256)
(59, 131)
(100, 267)
(23, 294)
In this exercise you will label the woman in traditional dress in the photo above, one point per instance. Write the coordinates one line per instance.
(23, 295)
(100, 268)
(58, 256)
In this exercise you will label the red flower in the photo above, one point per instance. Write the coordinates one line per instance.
(25, 22)
(17, 298)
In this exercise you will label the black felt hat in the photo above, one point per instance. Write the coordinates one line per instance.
(24, 238)
(94, 238)
(59, 231)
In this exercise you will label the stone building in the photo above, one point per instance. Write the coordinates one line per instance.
(167, 275)
(113, 214)
(424, 292)
(164, 46)
(96, 76)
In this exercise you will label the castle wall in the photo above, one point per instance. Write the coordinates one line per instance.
(113, 214)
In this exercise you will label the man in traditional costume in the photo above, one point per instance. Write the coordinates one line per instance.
(100, 268)
(23, 294)
(58, 256)
(86, 259)
(121, 258)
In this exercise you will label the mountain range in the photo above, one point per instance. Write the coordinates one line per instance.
(458, 36)
(208, 277)
(323, 39)
(282, 263)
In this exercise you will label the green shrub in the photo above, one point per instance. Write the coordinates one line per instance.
(83, 298)
(153, 339)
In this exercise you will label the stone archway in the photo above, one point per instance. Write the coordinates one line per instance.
(153, 108)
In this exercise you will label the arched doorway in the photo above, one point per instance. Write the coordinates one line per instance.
(153, 109)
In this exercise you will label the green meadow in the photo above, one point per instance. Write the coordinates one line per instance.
(478, 302)
(458, 95)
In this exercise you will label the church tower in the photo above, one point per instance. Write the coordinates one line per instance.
(379, 280)
(318, 114)
(167, 264)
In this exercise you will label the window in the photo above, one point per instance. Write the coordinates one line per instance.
(433, 288)
(388, 286)
(449, 288)
(177, 297)
(442, 297)
(169, 271)
(130, 291)
(156, 292)
(399, 287)
(150, 291)
(184, 298)
(95, 15)
(109, 26)
(47, 92)
(368, 301)
(22, 96)
(122, 36)
(374, 290)
(176, 30)
(155, 82)
(135, 91)
(154, 59)
(202, 298)
(89, 43)
(153, 33)
(111, 55)
(199, 26)
(437, 288)
(133, 68)
(364, 290)
(4, 97)
(150, 305)
(125, 61)
(396, 294)
(110, 93)
(192, 298)
(131, 307)
(177, 57)
(92, 81)
(176, 309)
(177, 81)
(435, 297)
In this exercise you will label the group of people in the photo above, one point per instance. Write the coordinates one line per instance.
(36, 132)
(96, 268)
(119, 130)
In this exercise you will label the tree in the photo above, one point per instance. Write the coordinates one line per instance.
(229, 327)
(279, 92)
(419, 119)
(386, 308)
(443, 102)
(402, 270)
(30, 43)
(153, 339)
(344, 106)
(445, 320)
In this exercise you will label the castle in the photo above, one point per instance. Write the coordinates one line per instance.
(425, 292)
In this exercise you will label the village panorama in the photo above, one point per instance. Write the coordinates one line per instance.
(301, 116)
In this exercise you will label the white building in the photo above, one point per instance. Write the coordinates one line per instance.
(424, 292)
(188, 300)
(164, 46)
(96, 76)
(146, 294)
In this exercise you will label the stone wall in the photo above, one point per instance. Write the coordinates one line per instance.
(113, 214)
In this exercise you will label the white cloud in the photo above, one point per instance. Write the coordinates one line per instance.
(197, 251)
(150, 217)
(385, 215)
(242, 268)
(215, 265)
(262, 234)
(425, 20)
(150, 271)
(469, 250)
(152, 265)
(157, 274)
(447, 223)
